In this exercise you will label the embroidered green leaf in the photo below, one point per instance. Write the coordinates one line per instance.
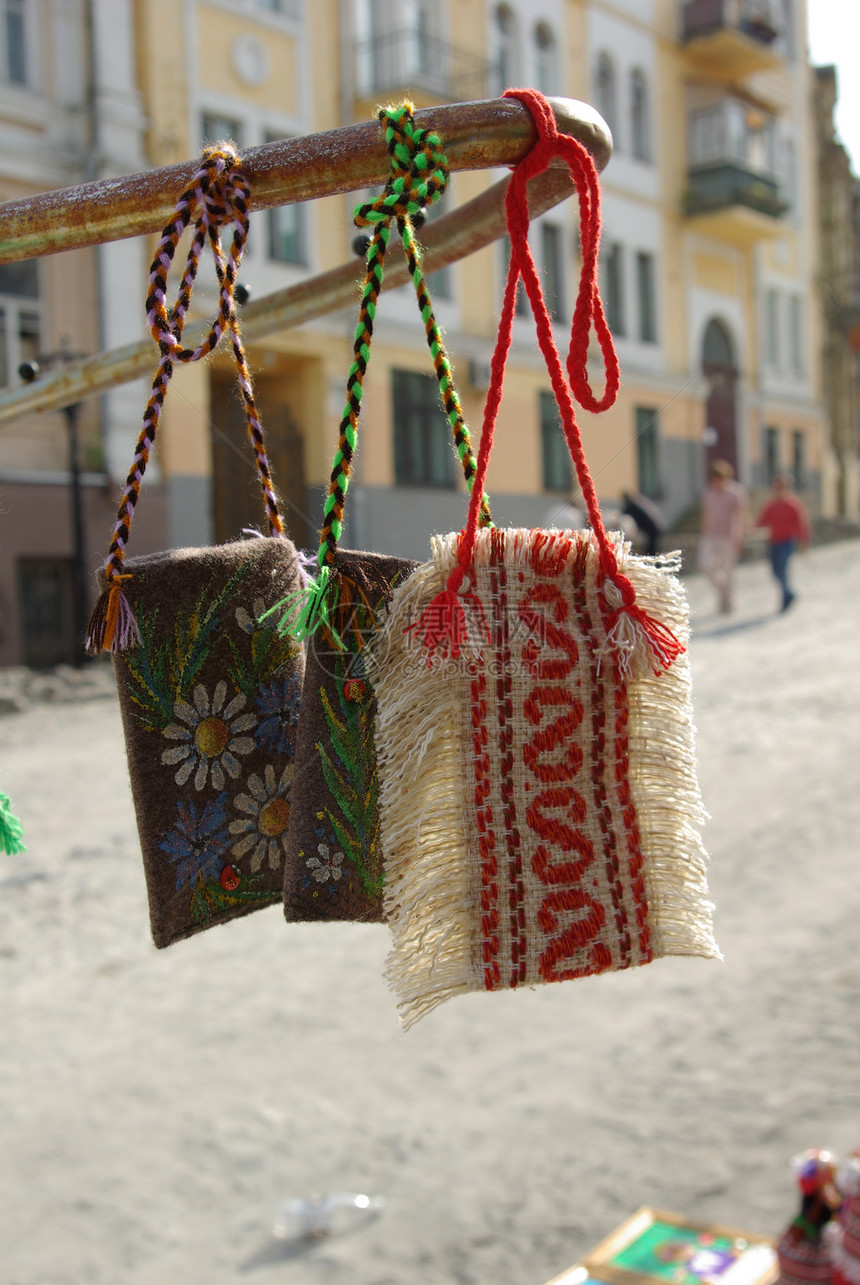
(371, 879)
(349, 767)
(340, 734)
(210, 899)
(340, 786)
(147, 687)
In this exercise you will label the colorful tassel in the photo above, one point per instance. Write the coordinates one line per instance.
(112, 625)
(310, 609)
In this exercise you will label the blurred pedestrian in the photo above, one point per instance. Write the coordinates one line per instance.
(787, 521)
(566, 516)
(649, 520)
(724, 515)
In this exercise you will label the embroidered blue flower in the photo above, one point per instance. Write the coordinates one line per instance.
(278, 708)
(198, 843)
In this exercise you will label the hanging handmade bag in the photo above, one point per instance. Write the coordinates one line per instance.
(209, 693)
(335, 868)
(538, 801)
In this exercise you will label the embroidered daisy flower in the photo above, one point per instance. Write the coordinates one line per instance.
(263, 830)
(278, 707)
(210, 737)
(197, 843)
(327, 865)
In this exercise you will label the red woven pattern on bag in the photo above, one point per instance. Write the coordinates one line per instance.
(486, 833)
(549, 758)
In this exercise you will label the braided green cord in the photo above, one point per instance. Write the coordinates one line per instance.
(348, 431)
(422, 179)
(419, 177)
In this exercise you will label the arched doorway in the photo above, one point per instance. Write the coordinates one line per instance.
(720, 369)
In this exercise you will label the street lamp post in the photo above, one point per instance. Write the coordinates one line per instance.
(30, 371)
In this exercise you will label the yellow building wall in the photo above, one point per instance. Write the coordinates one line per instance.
(216, 33)
(163, 79)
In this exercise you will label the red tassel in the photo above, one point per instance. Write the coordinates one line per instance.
(619, 593)
(443, 623)
(663, 643)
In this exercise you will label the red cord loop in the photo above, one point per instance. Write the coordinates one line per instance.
(588, 313)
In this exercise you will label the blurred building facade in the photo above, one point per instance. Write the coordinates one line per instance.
(709, 264)
(839, 221)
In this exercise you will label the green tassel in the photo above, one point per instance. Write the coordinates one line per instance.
(310, 609)
(11, 829)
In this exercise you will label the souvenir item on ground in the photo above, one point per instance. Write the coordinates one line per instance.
(209, 693)
(334, 869)
(11, 829)
(802, 1252)
(539, 807)
(842, 1234)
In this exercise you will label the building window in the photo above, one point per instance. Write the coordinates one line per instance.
(640, 124)
(46, 611)
(795, 333)
(648, 450)
(286, 234)
(546, 67)
(613, 292)
(506, 46)
(798, 458)
(286, 228)
(553, 271)
(607, 94)
(557, 469)
(771, 454)
(14, 41)
(771, 327)
(422, 453)
(20, 316)
(647, 293)
(215, 129)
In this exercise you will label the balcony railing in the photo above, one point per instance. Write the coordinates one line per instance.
(410, 60)
(719, 186)
(756, 19)
(738, 156)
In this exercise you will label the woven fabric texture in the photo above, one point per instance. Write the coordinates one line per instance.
(334, 867)
(210, 704)
(539, 805)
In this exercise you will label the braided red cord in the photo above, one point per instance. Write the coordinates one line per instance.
(588, 312)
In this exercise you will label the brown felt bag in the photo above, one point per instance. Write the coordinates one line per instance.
(209, 692)
(334, 865)
(210, 705)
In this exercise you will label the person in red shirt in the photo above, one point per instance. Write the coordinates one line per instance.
(787, 523)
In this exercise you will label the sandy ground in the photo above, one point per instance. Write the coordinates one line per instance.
(157, 1107)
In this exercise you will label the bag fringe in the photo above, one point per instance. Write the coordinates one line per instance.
(663, 780)
(427, 896)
